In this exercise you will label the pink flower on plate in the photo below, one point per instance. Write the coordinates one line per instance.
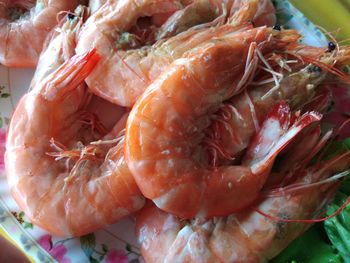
(57, 251)
(116, 256)
(2, 148)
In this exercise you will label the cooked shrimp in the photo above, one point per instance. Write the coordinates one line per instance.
(164, 148)
(129, 67)
(24, 26)
(65, 179)
(249, 236)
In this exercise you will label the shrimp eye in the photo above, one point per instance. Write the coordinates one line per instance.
(71, 16)
(277, 27)
(331, 46)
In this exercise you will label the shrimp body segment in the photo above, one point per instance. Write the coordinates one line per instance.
(165, 132)
(65, 184)
(24, 26)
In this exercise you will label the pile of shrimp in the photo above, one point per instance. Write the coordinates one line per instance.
(201, 118)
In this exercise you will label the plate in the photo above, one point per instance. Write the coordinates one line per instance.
(115, 243)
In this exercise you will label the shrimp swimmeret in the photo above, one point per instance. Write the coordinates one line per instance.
(65, 183)
(165, 129)
(24, 26)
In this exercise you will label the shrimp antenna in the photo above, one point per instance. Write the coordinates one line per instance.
(331, 69)
(301, 186)
(344, 40)
(131, 69)
(307, 221)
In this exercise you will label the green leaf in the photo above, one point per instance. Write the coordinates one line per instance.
(28, 225)
(338, 228)
(88, 243)
(21, 214)
(309, 248)
(1, 122)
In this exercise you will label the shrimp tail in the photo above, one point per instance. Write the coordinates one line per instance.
(69, 75)
(277, 131)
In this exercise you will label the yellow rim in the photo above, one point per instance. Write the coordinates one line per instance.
(8, 238)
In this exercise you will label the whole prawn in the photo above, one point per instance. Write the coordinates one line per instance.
(131, 66)
(24, 26)
(165, 129)
(256, 234)
(64, 183)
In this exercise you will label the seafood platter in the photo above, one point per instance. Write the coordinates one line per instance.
(173, 131)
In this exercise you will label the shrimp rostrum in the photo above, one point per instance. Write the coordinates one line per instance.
(63, 181)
